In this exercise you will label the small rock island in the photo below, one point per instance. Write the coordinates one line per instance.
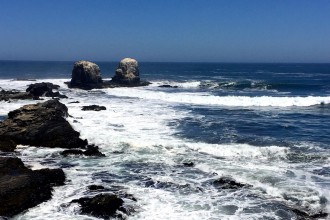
(87, 75)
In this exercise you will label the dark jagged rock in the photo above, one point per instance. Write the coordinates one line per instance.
(102, 205)
(188, 164)
(41, 124)
(85, 75)
(13, 94)
(167, 86)
(44, 89)
(92, 150)
(22, 188)
(93, 108)
(127, 72)
(229, 183)
(301, 215)
(95, 187)
(34, 91)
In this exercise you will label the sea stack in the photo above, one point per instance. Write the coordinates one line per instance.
(86, 75)
(127, 72)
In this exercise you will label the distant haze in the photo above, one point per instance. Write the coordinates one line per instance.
(166, 30)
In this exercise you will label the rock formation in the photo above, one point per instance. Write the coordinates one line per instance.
(92, 150)
(102, 205)
(14, 94)
(41, 124)
(22, 188)
(93, 108)
(127, 72)
(86, 75)
(44, 89)
(34, 91)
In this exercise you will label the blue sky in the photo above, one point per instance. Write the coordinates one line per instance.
(166, 30)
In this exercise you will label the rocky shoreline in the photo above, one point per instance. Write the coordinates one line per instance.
(44, 125)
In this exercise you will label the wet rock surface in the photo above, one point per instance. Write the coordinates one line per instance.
(41, 124)
(44, 89)
(167, 86)
(102, 205)
(22, 188)
(228, 183)
(34, 91)
(93, 108)
(92, 150)
(14, 94)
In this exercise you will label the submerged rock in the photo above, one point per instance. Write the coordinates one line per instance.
(92, 150)
(93, 108)
(41, 124)
(229, 183)
(102, 205)
(86, 75)
(127, 72)
(95, 187)
(22, 188)
(167, 86)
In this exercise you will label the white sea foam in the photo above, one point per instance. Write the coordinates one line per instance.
(188, 84)
(136, 123)
(204, 98)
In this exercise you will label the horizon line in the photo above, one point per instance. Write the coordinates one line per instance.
(143, 61)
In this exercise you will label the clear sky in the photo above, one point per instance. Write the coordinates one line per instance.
(166, 30)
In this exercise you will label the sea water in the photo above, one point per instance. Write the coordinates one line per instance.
(266, 125)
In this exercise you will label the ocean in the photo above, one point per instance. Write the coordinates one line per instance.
(265, 125)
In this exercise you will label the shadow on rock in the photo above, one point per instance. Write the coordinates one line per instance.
(22, 188)
(41, 124)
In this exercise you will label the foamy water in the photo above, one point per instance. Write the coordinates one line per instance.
(138, 123)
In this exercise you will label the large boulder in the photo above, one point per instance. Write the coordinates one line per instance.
(86, 75)
(41, 124)
(127, 72)
(22, 188)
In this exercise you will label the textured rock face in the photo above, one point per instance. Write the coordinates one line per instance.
(41, 124)
(13, 94)
(127, 72)
(34, 91)
(44, 89)
(86, 74)
(102, 205)
(22, 188)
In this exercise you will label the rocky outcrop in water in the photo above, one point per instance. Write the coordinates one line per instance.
(127, 72)
(22, 188)
(86, 75)
(229, 183)
(34, 91)
(102, 205)
(92, 150)
(44, 89)
(93, 108)
(14, 94)
(41, 124)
